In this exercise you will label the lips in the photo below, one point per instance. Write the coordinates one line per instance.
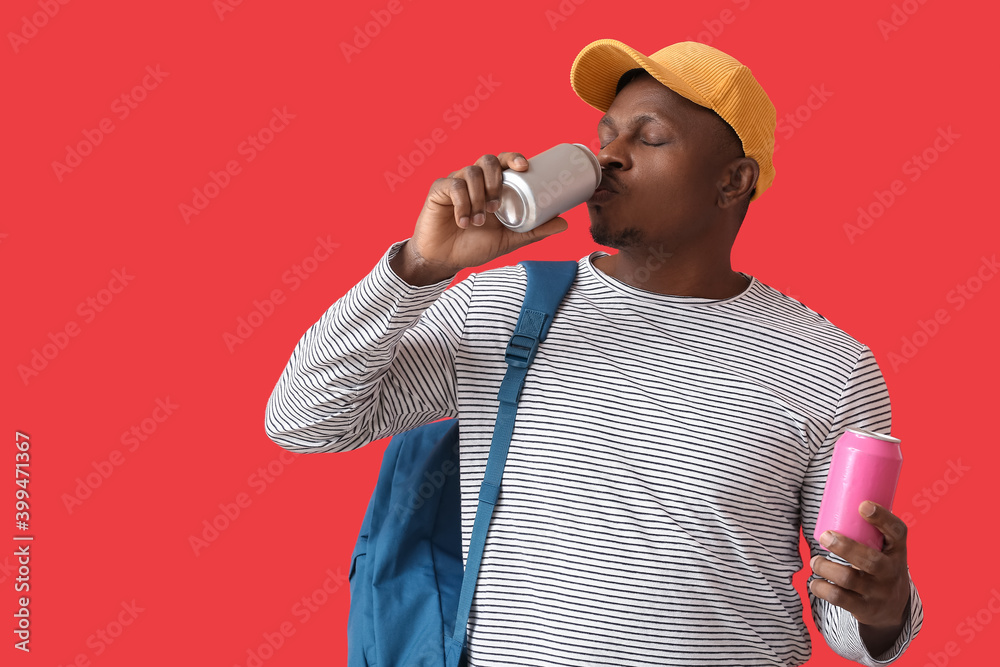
(600, 196)
(605, 190)
(607, 184)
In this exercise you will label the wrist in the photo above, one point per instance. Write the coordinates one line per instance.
(412, 268)
(879, 639)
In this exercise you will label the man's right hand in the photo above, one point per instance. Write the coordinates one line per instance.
(457, 227)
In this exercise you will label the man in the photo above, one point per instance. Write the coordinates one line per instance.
(675, 430)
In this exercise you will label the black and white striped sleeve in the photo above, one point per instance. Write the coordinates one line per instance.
(863, 404)
(380, 361)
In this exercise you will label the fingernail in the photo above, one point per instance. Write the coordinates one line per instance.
(867, 508)
(493, 205)
(812, 563)
(463, 221)
(478, 219)
(827, 538)
(520, 162)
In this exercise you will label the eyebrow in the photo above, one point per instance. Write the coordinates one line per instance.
(636, 120)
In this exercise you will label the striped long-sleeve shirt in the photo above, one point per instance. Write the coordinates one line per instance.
(667, 452)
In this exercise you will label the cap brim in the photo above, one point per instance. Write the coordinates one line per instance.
(597, 68)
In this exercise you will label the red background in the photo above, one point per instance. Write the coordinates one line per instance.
(888, 92)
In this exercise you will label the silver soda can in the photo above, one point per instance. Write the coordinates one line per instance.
(556, 180)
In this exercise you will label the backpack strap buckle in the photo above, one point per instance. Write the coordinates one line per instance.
(521, 350)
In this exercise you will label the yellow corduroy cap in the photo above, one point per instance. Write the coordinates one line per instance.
(702, 74)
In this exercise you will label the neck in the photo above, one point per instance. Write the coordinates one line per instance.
(656, 270)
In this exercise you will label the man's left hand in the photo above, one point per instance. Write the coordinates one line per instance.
(877, 588)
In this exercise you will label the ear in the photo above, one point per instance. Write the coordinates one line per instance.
(738, 179)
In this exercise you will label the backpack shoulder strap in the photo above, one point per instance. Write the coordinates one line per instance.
(548, 283)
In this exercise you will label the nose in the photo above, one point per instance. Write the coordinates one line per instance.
(614, 156)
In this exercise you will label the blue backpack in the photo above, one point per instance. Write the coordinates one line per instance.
(410, 597)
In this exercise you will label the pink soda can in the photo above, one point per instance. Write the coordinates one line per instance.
(865, 466)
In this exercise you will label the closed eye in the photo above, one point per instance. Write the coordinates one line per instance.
(642, 141)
